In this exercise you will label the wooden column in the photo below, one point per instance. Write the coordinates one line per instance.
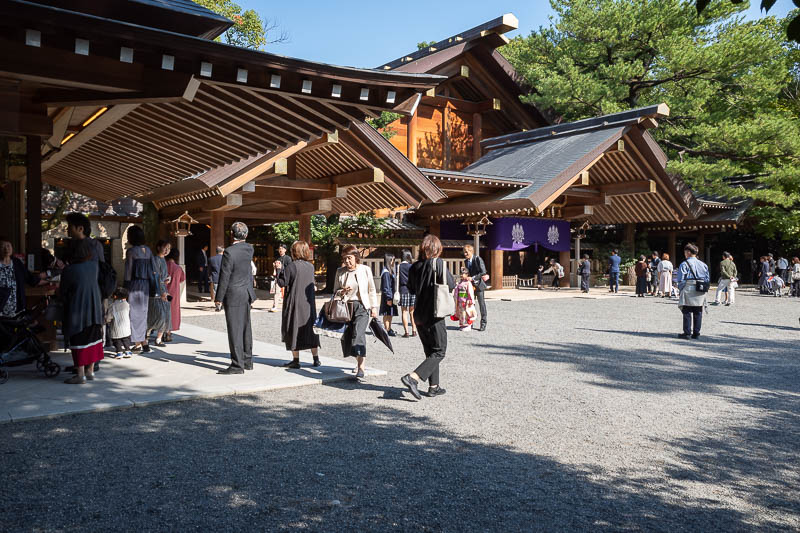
(672, 244)
(435, 227)
(33, 237)
(305, 228)
(217, 231)
(477, 135)
(630, 235)
(701, 243)
(496, 269)
(411, 139)
(563, 258)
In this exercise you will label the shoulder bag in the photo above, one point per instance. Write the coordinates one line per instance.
(443, 305)
(700, 285)
(396, 295)
(337, 310)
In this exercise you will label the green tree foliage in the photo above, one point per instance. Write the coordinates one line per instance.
(792, 28)
(249, 30)
(326, 230)
(382, 123)
(730, 84)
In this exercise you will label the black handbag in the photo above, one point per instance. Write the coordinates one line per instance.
(700, 285)
(337, 311)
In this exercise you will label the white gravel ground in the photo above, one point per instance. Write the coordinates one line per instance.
(569, 414)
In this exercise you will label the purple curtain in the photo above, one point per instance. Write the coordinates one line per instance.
(519, 233)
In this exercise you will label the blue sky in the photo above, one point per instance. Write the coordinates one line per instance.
(368, 33)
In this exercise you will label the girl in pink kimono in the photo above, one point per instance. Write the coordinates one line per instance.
(176, 277)
(464, 296)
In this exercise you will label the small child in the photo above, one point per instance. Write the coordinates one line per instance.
(464, 296)
(118, 315)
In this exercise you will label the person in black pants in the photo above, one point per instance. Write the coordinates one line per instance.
(477, 271)
(432, 331)
(236, 294)
(202, 266)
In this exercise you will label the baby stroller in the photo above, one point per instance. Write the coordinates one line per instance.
(19, 345)
(775, 285)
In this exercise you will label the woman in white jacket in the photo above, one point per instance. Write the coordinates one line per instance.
(354, 284)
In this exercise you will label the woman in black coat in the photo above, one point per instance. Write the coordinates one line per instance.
(299, 304)
(431, 329)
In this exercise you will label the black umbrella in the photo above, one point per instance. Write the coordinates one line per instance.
(380, 333)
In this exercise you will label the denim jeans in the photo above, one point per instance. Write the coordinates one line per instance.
(613, 281)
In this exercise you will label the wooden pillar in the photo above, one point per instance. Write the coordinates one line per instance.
(33, 237)
(672, 244)
(477, 135)
(305, 228)
(563, 258)
(446, 137)
(435, 227)
(411, 139)
(496, 269)
(217, 231)
(630, 235)
(701, 243)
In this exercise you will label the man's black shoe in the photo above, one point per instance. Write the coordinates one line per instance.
(145, 348)
(482, 328)
(411, 384)
(231, 370)
(435, 391)
(683, 336)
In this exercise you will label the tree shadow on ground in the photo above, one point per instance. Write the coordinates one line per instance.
(238, 464)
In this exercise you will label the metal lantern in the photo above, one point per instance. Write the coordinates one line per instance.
(476, 226)
(181, 226)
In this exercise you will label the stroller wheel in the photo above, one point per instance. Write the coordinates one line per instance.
(52, 370)
(40, 365)
(3, 376)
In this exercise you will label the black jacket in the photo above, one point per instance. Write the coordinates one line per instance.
(236, 276)
(421, 281)
(476, 270)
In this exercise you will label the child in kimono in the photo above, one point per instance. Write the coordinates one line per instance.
(464, 296)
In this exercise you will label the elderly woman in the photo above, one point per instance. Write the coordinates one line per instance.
(13, 277)
(665, 269)
(83, 312)
(159, 318)
(432, 330)
(641, 269)
(139, 280)
(299, 304)
(176, 276)
(691, 301)
(355, 285)
(407, 298)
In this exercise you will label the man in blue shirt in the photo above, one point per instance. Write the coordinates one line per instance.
(613, 271)
(691, 301)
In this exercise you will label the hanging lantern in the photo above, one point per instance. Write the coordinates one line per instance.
(181, 226)
(476, 226)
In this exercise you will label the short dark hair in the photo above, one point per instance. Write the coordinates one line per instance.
(614, 251)
(691, 248)
(120, 293)
(80, 220)
(160, 245)
(351, 250)
(81, 251)
(135, 236)
(174, 254)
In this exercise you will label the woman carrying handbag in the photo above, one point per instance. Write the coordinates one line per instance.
(355, 286)
(432, 283)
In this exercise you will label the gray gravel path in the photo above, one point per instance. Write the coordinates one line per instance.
(570, 414)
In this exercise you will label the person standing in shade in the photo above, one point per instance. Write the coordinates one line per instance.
(727, 274)
(585, 272)
(202, 267)
(83, 312)
(13, 278)
(477, 271)
(214, 264)
(614, 261)
(653, 283)
(432, 330)
(79, 228)
(641, 270)
(691, 301)
(407, 298)
(299, 306)
(236, 295)
(284, 259)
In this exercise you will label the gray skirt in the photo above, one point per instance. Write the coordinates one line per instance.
(354, 340)
(159, 316)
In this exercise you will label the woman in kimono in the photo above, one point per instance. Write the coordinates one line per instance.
(139, 280)
(158, 311)
(176, 277)
(665, 269)
(299, 304)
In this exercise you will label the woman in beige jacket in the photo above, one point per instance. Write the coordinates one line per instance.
(354, 284)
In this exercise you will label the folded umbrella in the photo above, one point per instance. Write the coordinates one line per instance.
(380, 333)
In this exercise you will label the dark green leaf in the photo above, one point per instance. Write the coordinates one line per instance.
(766, 5)
(701, 5)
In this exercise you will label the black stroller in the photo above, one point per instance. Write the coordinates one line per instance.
(19, 345)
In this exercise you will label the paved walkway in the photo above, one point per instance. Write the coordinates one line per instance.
(185, 369)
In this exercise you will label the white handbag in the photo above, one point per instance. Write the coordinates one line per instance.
(443, 305)
(396, 295)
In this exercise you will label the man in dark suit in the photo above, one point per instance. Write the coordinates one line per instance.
(477, 270)
(235, 293)
(214, 264)
(202, 266)
(585, 272)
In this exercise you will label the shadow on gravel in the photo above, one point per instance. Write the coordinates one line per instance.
(237, 465)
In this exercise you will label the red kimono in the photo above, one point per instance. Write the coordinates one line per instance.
(174, 289)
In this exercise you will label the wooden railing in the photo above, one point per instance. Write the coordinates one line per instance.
(376, 265)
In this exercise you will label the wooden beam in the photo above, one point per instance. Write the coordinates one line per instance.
(304, 232)
(33, 189)
(563, 188)
(314, 207)
(411, 139)
(276, 164)
(581, 192)
(630, 187)
(173, 91)
(301, 185)
(223, 203)
(467, 106)
(326, 140)
(601, 199)
(359, 177)
(268, 194)
(477, 136)
(577, 211)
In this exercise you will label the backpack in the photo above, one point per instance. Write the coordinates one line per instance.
(106, 278)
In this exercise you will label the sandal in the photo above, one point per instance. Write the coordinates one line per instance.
(75, 380)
